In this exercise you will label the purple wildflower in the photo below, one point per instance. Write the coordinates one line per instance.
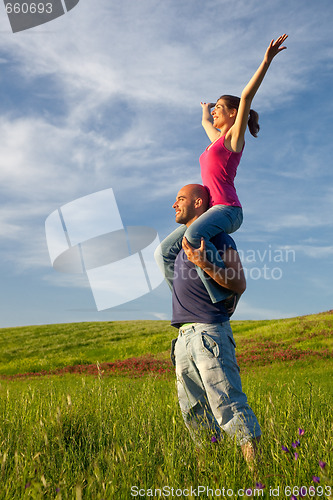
(284, 448)
(296, 456)
(296, 443)
(293, 497)
(301, 432)
(316, 479)
(322, 464)
(214, 440)
(260, 486)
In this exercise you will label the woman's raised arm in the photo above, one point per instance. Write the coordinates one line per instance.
(237, 131)
(207, 121)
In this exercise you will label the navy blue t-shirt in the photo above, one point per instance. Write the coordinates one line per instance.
(190, 300)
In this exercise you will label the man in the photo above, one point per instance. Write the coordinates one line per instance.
(208, 381)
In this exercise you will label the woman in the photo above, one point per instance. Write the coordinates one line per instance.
(225, 127)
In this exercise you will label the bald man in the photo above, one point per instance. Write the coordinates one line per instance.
(208, 381)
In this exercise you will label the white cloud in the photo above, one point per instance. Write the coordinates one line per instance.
(162, 53)
(316, 252)
(245, 310)
(298, 221)
(129, 77)
(161, 316)
(64, 280)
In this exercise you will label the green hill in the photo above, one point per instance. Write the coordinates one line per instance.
(50, 347)
(66, 437)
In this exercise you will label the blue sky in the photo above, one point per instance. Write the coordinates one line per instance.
(108, 96)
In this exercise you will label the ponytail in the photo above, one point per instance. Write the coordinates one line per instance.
(232, 102)
(253, 123)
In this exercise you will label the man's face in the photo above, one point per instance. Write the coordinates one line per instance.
(185, 207)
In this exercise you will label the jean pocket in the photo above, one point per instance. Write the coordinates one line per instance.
(172, 354)
(209, 346)
(232, 341)
(233, 352)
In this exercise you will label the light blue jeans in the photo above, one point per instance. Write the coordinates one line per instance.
(215, 220)
(209, 386)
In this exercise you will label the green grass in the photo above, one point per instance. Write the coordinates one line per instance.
(48, 347)
(73, 437)
(96, 437)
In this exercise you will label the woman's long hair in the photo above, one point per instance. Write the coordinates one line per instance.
(232, 102)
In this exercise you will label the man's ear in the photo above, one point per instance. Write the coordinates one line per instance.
(198, 202)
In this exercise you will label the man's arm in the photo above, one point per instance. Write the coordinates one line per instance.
(231, 277)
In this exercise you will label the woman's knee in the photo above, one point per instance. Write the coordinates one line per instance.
(193, 236)
(158, 252)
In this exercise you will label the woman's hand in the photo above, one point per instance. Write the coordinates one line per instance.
(195, 255)
(275, 47)
(207, 105)
(206, 110)
(208, 121)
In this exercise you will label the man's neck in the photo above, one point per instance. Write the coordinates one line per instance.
(192, 220)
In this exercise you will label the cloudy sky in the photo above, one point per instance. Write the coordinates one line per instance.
(108, 96)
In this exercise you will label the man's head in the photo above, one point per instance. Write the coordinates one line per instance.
(191, 202)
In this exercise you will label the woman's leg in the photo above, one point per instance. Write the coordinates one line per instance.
(167, 251)
(217, 219)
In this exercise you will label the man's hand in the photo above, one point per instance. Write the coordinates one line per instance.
(195, 255)
(231, 277)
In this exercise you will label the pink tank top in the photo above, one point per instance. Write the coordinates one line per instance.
(218, 171)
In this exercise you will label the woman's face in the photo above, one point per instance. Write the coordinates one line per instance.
(222, 115)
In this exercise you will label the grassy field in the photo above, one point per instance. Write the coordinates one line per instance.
(50, 347)
(112, 429)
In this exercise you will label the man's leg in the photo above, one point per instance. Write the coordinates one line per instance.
(196, 411)
(250, 452)
(213, 352)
